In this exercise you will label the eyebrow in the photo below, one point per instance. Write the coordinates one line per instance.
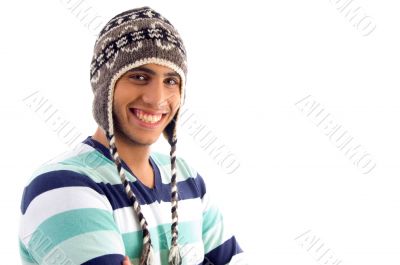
(151, 72)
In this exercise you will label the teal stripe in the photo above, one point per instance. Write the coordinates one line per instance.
(97, 167)
(161, 159)
(164, 254)
(133, 242)
(210, 218)
(92, 164)
(24, 253)
(189, 232)
(84, 247)
(212, 229)
(92, 159)
(63, 226)
(183, 170)
(186, 170)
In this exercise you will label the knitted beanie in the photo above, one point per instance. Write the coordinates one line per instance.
(130, 39)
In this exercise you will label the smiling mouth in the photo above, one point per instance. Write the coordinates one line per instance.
(148, 118)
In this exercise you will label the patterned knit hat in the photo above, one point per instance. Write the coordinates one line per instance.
(131, 39)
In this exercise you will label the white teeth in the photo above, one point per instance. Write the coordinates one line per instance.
(147, 117)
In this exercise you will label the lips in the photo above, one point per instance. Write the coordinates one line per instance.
(147, 119)
(150, 112)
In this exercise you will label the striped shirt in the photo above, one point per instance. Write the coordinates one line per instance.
(74, 210)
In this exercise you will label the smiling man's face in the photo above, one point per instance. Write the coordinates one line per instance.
(146, 99)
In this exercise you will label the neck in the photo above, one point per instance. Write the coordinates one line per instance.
(135, 156)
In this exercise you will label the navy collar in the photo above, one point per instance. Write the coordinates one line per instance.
(106, 152)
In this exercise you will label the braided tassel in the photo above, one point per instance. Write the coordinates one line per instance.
(174, 254)
(150, 256)
(147, 256)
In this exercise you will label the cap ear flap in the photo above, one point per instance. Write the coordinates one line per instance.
(170, 128)
(99, 108)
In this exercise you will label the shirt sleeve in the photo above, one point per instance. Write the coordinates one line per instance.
(67, 219)
(220, 245)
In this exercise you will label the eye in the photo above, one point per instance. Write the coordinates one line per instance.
(138, 77)
(172, 81)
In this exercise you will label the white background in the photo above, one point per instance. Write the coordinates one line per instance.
(249, 63)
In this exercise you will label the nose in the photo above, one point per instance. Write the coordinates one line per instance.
(154, 94)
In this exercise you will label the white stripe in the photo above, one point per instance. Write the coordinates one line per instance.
(192, 253)
(238, 259)
(206, 202)
(57, 201)
(156, 214)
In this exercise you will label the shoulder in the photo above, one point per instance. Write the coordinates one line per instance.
(71, 172)
(83, 162)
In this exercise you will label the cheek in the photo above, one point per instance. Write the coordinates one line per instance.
(175, 100)
(121, 97)
(119, 109)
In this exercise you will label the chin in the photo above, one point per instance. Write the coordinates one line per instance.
(142, 139)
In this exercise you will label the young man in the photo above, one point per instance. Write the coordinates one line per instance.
(112, 197)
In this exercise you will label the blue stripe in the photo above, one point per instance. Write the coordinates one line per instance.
(117, 197)
(53, 180)
(111, 259)
(223, 253)
(189, 189)
(200, 185)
